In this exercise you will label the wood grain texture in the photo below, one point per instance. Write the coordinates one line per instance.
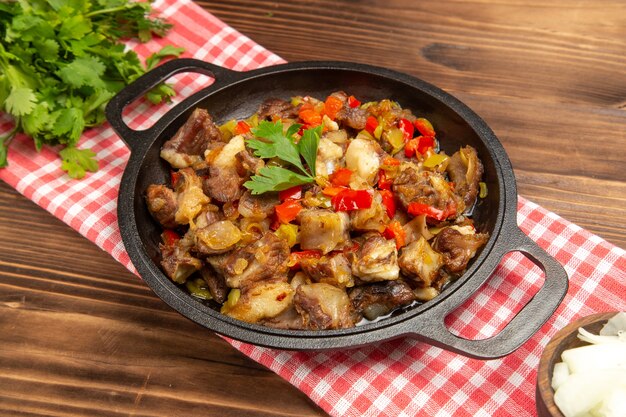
(81, 336)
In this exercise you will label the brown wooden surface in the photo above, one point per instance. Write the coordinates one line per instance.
(80, 335)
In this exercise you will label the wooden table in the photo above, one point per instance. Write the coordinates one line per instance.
(80, 335)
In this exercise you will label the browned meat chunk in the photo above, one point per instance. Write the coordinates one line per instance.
(223, 184)
(332, 269)
(323, 306)
(378, 299)
(354, 117)
(189, 143)
(420, 262)
(466, 171)
(426, 187)
(376, 260)
(176, 260)
(162, 204)
(288, 319)
(257, 206)
(215, 282)
(277, 107)
(264, 259)
(458, 248)
(250, 163)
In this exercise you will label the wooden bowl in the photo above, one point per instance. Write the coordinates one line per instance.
(564, 339)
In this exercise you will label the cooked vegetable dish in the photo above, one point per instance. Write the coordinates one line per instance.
(316, 214)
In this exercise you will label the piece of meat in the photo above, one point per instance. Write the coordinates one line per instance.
(425, 187)
(458, 248)
(376, 260)
(466, 171)
(277, 107)
(216, 238)
(187, 146)
(261, 301)
(257, 206)
(328, 156)
(223, 184)
(354, 117)
(250, 163)
(322, 229)
(215, 282)
(324, 306)
(176, 260)
(420, 262)
(381, 298)
(162, 204)
(260, 260)
(333, 269)
(289, 319)
(191, 199)
(373, 218)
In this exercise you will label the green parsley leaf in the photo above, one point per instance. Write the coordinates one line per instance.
(274, 178)
(308, 146)
(77, 161)
(21, 101)
(271, 142)
(166, 52)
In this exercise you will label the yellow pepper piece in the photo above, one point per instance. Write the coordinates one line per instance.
(231, 300)
(228, 130)
(435, 160)
(288, 232)
(483, 190)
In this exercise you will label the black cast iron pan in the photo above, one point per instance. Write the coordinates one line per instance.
(237, 95)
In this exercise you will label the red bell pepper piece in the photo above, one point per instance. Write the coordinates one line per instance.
(353, 102)
(332, 105)
(174, 177)
(384, 182)
(388, 202)
(371, 124)
(407, 129)
(341, 177)
(395, 231)
(288, 211)
(242, 127)
(296, 257)
(293, 193)
(170, 237)
(417, 209)
(391, 161)
(348, 200)
(411, 147)
(424, 127)
(425, 143)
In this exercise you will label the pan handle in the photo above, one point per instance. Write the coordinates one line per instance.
(136, 89)
(527, 322)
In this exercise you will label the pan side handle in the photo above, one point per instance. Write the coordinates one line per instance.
(139, 87)
(527, 322)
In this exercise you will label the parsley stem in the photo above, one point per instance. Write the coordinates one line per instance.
(105, 11)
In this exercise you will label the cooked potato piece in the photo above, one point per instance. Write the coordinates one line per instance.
(362, 158)
(262, 301)
(227, 158)
(377, 260)
(419, 261)
(328, 156)
(323, 229)
(373, 219)
(191, 200)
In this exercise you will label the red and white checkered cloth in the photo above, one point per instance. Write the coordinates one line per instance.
(397, 378)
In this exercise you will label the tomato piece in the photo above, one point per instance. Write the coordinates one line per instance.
(424, 127)
(170, 237)
(371, 124)
(293, 193)
(353, 102)
(288, 211)
(388, 202)
(394, 230)
(341, 177)
(384, 182)
(242, 128)
(411, 147)
(407, 129)
(332, 105)
(348, 200)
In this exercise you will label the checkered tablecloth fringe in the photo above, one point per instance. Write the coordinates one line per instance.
(397, 378)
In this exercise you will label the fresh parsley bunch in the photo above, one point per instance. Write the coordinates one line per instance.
(61, 61)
